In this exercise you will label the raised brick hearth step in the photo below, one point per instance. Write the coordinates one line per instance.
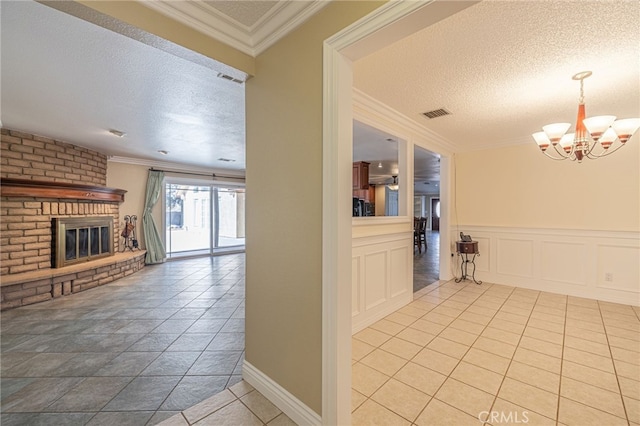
(37, 286)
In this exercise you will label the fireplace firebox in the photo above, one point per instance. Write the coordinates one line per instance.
(81, 239)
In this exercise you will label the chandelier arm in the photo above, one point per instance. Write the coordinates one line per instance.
(605, 152)
(555, 158)
(589, 153)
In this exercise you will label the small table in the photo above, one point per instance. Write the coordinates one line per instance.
(464, 249)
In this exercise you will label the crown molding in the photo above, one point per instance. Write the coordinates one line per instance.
(178, 167)
(286, 17)
(275, 24)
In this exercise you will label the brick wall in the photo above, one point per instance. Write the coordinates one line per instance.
(26, 156)
(26, 230)
(25, 223)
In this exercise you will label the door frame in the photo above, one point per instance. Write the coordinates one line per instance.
(387, 24)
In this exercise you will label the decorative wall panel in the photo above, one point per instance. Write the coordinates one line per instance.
(515, 257)
(599, 265)
(618, 268)
(557, 260)
(382, 276)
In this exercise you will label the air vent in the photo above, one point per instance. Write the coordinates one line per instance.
(436, 113)
(228, 77)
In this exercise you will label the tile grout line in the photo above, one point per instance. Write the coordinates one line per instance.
(407, 361)
(564, 337)
(460, 360)
(615, 370)
(504, 377)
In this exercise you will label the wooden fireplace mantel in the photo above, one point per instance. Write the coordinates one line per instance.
(33, 188)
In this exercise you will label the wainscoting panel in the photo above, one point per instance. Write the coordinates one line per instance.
(483, 260)
(557, 258)
(383, 282)
(376, 279)
(515, 257)
(618, 268)
(399, 267)
(356, 298)
(599, 265)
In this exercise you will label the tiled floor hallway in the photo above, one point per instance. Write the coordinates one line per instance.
(146, 348)
(465, 354)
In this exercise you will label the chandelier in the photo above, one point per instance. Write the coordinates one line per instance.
(602, 131)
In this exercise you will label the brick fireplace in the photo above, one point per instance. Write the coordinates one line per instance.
(45, 181)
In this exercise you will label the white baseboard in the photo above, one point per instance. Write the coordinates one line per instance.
(297, 411)
(360, 322)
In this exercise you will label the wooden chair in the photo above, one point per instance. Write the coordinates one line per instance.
(421, 234)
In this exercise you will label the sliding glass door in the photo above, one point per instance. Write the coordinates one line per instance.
(203, 219)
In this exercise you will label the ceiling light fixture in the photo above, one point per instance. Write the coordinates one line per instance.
(163, 152)
(394, 186)
(117, 133)
(589, 131)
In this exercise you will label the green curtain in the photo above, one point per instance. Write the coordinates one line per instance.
(155, 248)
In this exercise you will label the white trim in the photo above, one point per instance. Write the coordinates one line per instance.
(346, 45)
(207, 21)
(267, 32)
(252, 40)
(582, 233)
(379, 220)
(336, 238)
(295, 409)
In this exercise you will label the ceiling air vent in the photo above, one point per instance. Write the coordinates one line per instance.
(230, 78)
(436, 113)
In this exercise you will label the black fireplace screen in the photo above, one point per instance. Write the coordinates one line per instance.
(80, 239)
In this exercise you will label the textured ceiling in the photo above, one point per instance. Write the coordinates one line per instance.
(503, 68)
(68, 79)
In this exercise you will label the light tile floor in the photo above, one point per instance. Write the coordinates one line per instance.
(458, 352)
(467, 354)
(133, 352)
(240, 405)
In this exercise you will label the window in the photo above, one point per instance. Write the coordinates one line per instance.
(203, 219)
